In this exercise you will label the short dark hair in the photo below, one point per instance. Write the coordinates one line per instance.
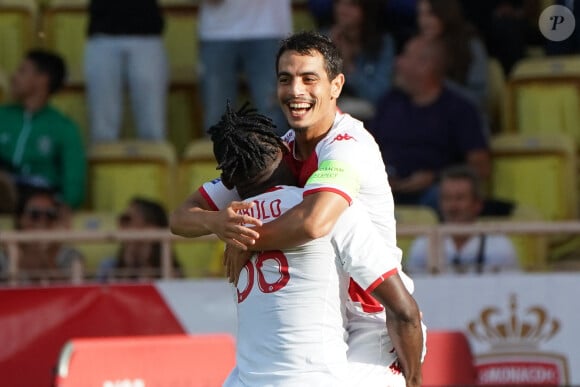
(153, 213)
(244, 144)
(50, 64)
(307, 42)
(464, 172)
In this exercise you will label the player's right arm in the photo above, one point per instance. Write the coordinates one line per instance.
(199, 216)
(403, 325)
(374, 265)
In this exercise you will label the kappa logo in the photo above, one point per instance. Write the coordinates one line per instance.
(515, 337)
(343, 137)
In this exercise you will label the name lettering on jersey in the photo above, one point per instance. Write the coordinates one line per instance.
(264, 209)
(215, 181)
(343, 137)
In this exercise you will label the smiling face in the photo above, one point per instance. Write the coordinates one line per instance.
(305, 92)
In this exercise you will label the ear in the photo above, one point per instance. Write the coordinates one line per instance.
(336, 86)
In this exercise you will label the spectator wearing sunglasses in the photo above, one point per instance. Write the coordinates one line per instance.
(42, 262)
(138, 260)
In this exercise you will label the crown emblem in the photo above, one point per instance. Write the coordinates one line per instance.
(514, 331)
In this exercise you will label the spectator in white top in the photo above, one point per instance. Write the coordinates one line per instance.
(241, 35)
(461, 202)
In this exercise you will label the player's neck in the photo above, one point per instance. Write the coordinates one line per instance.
(308, 138)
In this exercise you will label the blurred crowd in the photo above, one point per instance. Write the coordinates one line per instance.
(416, 74)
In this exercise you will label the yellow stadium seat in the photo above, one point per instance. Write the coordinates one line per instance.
(413, 216)
(495, 102)
(181, 40)
(532, 250)
(65, 25)
(17, 31)
(200, 258)
(4, 88)
(183, 115)
(197, 167)
(302, 19)
(122, 170)
(543, 96)
(95, 252)
(536, 171)
(6, 222)
(71, 100)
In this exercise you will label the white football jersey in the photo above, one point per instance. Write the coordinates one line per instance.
(346, 161)
(291, 302)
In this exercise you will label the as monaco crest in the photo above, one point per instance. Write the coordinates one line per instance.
(515, 357)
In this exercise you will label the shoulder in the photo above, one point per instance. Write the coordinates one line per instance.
(346, 129)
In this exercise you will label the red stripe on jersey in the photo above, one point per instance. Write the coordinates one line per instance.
(272, 189)
(309, 166)
(380, 280)
(328, 189)
(367, 302)
(301, 169)
(207, 198)
(295, 165)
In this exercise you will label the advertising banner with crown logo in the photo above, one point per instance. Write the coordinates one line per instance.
(523, 329)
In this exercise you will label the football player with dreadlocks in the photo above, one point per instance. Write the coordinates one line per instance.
(335, 159)
(291, 302)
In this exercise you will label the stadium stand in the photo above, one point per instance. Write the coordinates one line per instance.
(449, 361)
(64, 30)
(17, 31)
(4, 88)
(202, 360)
(413, 216)
(523, 164)
(496, 95)
(543, 96)
(118, 171)
(94, 253)
(198, 166)
(531, 250)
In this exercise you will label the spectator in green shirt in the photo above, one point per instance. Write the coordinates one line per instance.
(39, 146)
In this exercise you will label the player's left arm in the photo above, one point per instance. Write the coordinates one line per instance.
(404, 326)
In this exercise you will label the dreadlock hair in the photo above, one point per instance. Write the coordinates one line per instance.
(244, 144)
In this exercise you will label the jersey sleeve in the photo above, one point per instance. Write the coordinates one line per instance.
(364, 255)
(341, 166)
(217, 195)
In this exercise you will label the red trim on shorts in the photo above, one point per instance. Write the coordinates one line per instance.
(207, 198)
(328, 189)
(380, 280)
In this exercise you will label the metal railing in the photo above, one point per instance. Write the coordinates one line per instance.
(435, 234)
